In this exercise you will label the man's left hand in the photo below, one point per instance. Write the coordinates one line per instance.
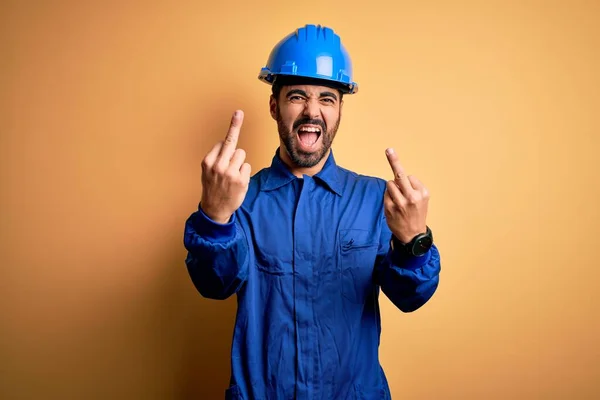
(405, 202)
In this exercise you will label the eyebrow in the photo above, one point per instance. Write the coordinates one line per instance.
(328, 94)
(303, 93)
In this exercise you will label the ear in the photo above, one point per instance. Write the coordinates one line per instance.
(273, 107)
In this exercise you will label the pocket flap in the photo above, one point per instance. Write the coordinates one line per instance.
(357, 238)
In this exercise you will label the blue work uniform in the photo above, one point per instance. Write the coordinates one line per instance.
(306, 258)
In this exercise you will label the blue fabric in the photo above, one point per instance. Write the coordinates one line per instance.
(307, 258)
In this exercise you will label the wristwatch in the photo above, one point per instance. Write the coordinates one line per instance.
(417, 247)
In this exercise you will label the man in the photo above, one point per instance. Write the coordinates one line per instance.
(305, 244)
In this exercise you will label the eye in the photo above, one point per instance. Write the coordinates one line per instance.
(296, 98)
(329, 100)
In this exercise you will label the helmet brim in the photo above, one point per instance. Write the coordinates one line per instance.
(293, 80)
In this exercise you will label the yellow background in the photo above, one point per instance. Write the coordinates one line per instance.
(107, 109)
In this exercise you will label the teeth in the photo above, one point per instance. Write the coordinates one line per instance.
(309, 129)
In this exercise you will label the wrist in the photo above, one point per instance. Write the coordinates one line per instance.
(214, 216)
(405, 238)
(210, 230)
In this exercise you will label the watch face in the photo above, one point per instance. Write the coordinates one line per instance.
(422, 246)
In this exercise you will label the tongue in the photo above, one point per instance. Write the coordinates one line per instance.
(308, 138)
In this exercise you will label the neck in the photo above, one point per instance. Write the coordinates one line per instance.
(299, 171)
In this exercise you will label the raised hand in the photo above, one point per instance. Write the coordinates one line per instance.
(405, 202)
(225, 175)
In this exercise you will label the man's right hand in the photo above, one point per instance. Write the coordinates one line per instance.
(225, 175)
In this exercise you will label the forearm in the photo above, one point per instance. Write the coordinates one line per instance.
(217, 258)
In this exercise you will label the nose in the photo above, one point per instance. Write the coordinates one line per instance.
(312, 109)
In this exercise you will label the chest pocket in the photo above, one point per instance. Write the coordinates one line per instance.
(274, 259)
(357, 253)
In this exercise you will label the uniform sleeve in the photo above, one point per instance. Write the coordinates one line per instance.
(408, 281)
(217, 258)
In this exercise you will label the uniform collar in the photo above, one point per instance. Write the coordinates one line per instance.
(279, 174)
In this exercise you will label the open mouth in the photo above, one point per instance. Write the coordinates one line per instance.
(309, 134)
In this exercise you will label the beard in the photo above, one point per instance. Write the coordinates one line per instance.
(301, 158)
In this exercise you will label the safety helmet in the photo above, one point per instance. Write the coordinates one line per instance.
(313, 52)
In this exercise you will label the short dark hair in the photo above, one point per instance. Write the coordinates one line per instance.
(289, 80)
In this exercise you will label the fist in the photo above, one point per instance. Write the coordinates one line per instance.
(225, 175)
(405, 202)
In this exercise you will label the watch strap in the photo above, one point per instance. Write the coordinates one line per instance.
(407, 248)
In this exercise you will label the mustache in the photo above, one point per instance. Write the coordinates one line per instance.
(309, 121)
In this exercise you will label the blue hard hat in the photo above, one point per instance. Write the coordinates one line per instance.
(314, 52)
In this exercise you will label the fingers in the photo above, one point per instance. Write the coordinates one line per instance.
(211, 157)
(415, 182)
(418, 186)
(388, 203)
(231, 139)
(245, 172)
(238, 158)
(396, 195)
(399, 173)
